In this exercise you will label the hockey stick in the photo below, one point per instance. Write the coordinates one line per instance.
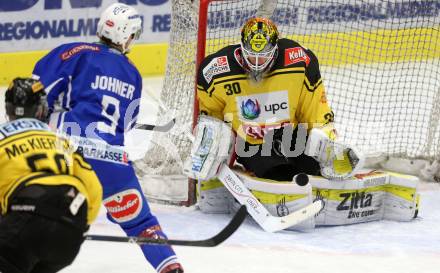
(233, 225)
(157, 128)
(154, 127)
(260, 214)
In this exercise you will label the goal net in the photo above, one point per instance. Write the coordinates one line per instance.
(379, 62)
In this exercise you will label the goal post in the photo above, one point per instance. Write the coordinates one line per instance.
(379, 60)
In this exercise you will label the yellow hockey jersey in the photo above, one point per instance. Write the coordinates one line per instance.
(29, 151)
(290, 93)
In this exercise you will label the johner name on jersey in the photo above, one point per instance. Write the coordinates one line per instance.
(114, 85)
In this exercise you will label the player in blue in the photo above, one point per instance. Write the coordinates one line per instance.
(93, 91)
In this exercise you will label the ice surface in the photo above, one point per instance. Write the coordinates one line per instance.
(384, 246)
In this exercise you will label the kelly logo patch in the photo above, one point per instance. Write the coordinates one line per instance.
(217, 66)
(295, 55)
(124, 206)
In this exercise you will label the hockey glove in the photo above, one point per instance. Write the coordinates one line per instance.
(338, 161)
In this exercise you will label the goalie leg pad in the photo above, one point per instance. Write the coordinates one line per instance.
(280, 198)
(402, 197)
(213, 197)
(367, 197)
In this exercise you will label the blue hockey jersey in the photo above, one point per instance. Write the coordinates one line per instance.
(93, 90)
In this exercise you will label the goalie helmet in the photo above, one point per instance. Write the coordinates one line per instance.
(259, 37)
(25, 98)
(118, 23)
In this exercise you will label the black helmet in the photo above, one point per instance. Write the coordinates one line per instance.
(25, 98)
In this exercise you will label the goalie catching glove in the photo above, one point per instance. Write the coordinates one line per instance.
(212, 146)
(338, 161)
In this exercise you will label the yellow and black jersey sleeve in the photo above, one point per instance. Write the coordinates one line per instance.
(313, 107)
(209, 104)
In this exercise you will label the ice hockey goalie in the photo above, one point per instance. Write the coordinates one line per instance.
(269, 93)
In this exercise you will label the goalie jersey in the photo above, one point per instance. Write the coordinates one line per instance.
(31, 154)
(290, 93)
(93, 86)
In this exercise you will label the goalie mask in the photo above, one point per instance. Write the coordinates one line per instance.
(259, 38)
(25, 98)
(119, 23)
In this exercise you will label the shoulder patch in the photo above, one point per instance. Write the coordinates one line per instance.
(71, 52)
(295, 55)
(216, 66)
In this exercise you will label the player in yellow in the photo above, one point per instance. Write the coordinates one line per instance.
(48, 194)
(264, 86)
(270, 91)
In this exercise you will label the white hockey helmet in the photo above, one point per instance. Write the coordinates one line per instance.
(118, 23)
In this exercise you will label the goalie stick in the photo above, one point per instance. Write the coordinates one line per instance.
(157, 128)
(233, 225)
(260, 214)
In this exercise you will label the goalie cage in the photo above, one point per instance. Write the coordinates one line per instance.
(379, 62)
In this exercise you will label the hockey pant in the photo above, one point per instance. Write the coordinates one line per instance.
(128, 207)
(46, 239)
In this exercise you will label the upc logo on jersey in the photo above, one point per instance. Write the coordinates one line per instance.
(250, 109)
(217, 66)
(124, 206)
(265, 107)
(295, 55)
